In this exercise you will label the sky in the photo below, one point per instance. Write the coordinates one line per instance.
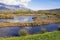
(34, 4)
(44, 4)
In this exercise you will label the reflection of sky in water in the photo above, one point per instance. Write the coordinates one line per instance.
(14, 31)
(21, 19)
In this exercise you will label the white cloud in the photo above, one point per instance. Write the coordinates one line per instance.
(15, 2)
(25, 2)
(10, 2)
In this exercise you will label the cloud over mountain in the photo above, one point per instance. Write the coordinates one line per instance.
(16, 2)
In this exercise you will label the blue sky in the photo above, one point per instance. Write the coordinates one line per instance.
(44, 4)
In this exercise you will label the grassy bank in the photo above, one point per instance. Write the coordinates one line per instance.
(45, 36)
(27, 24)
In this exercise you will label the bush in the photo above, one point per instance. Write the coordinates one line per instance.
(23, 32)
(58, 28)
(43, 30)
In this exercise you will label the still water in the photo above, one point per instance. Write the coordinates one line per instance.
(14, 31)
(21, 19)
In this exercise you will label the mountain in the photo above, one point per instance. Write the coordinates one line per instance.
(5, 7)
(55, 10)
(58, 9)
(50, 11)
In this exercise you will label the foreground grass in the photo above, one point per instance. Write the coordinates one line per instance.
(46, 36)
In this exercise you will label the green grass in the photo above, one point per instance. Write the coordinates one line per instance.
(45, 36)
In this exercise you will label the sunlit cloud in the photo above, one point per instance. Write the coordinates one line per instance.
(15, 2)
(25, 2)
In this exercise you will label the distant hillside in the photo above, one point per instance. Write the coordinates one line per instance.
(55, 9)
(55, 12)
(51, 10)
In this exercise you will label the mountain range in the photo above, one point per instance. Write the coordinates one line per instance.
(5, 7)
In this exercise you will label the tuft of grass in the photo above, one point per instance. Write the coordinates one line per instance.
(23, 32)
(47, 36)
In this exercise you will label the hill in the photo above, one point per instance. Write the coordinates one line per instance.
(54, 12)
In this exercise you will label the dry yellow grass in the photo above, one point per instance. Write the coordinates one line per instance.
(36, 23)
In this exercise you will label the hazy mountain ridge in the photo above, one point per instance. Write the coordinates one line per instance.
(11, 7)
(51, 10)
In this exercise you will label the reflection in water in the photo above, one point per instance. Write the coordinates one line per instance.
(21, 19)
(18, 19)
(13, 31)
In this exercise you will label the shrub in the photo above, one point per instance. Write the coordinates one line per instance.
(23, 32)
(43, 30)
(58, 28)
